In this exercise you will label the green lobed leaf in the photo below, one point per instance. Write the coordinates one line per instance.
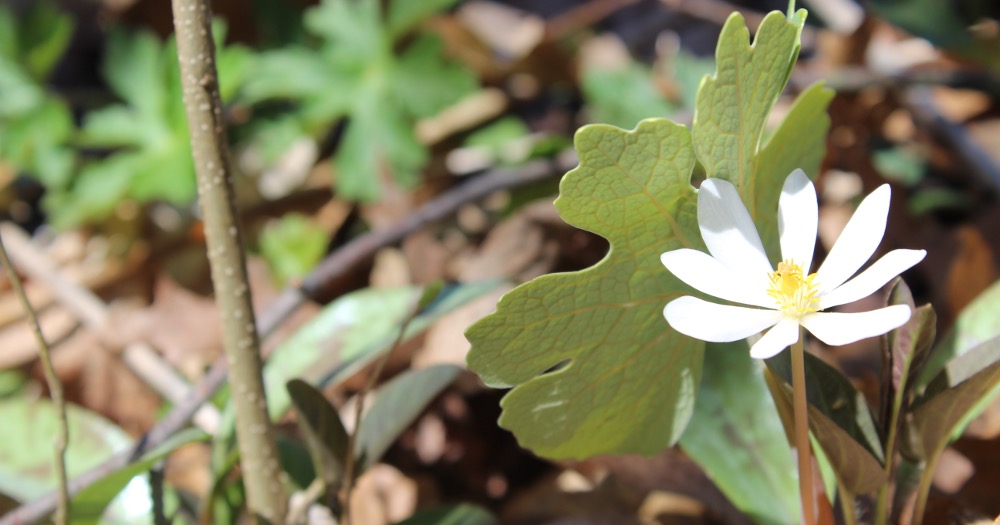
(357, 74)
(27, 447)
(322, 429)
(424, 84)
(594, 367)
(404, 14)
(292, 246)
(397, 405)
(733, 104)
(628, 381)
(838, 417)
(44, 32)
(623, 96)
(736, 436)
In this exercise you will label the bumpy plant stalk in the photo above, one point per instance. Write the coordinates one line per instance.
(262, 474)
(55, 389)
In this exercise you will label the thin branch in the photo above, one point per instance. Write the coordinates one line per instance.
(55, 389)
(335, 265)
(262, 473)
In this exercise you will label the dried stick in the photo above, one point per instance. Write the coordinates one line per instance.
(262, 474)
(332, 267)
(55, 389)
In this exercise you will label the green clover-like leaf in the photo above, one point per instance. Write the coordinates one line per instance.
(594, 367)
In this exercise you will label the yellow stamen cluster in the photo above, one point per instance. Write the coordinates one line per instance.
(795, 293)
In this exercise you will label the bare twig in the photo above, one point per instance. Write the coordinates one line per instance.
(55, 390)
(262, 474)
(333, 266)
(94, 314)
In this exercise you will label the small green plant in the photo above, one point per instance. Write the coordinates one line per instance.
(359, 73)
(36, 126)
(145, 136)
(594, 369)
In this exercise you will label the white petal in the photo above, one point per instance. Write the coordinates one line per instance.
(776, 339)
(873, 278)
(716, 322)
(836, 329)
(727, 229)
(705, 274)
(798, 216)
(857, 242)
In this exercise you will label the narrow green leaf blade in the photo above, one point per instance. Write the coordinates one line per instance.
(800, 142)
(977, 323)
(956, 395)
(396, 406)
(736, 435)
(322, 429)
(839, 418)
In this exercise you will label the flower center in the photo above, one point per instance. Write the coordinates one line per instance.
(793, 291)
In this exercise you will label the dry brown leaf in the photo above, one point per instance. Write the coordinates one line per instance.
(428, 257)
(18, 344)
(390, 270)
(445, 341)
(959, 105)
(183, 326)
(972, 269)
(952, 471)
(514, 249)
(383, 495)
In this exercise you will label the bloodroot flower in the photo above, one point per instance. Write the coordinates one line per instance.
(785, 298)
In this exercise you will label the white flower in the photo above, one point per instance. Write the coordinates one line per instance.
(738, 271)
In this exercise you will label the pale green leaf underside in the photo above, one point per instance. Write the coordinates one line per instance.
(736, 435)
(630, 382)
(594, 366)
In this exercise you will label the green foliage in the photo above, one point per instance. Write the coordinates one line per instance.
(838, 417)
(357, 74)
(147, 133)
(292, 246)
(594, 367)
(90, 505)
(396, 406)
(322, 430)
(35, 125)
(946, 24)
(26, 469)
(748, 461)
(623, 96)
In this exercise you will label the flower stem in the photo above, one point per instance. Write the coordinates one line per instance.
(799, 406)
